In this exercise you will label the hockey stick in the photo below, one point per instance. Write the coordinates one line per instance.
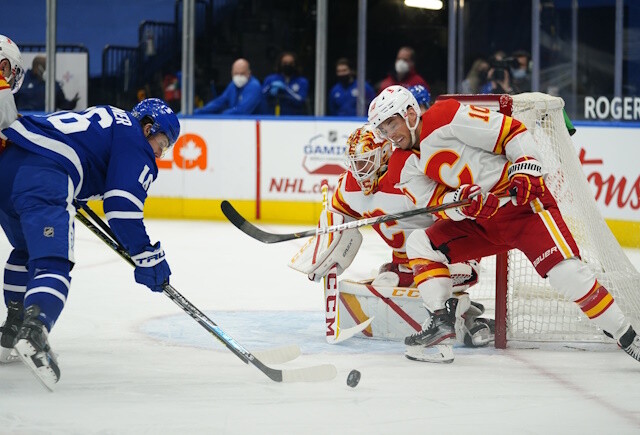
(323, 372)
(334, 333)
(265, 237)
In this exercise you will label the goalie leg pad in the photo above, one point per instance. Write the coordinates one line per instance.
(481, 333)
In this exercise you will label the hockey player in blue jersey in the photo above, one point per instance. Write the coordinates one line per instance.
(102, 152)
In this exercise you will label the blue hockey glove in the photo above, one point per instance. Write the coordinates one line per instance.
(276, 87)
(152, 269)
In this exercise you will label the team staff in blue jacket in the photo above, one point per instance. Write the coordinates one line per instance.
(241, 97)
(344, 95)
(285, 92)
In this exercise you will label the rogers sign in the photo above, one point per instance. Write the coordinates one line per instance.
(324, 154)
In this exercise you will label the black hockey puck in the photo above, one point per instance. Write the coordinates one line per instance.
(353, 378)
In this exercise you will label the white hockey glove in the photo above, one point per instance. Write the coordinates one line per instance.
(321, 252)
(464, 275)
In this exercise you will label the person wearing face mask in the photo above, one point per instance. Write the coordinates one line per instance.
(241, 97)
(285, 92)
(476, 81)
(521, 76)
(405, 73)
(31, 97)
(344, 95)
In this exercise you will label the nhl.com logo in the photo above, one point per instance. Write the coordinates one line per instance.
(324, 153)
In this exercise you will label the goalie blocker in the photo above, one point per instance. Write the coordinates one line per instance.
(393, 309)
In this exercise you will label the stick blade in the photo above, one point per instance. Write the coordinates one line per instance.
(347, 333)
(249, 229)
(278, 355)
(320, 373)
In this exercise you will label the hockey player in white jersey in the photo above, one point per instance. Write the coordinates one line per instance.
(479, 152)
(370, 188)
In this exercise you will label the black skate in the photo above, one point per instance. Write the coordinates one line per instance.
(33, 348)
(9, 331)
(630, 343)
(435, 342)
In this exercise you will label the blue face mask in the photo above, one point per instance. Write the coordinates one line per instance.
(519, 73)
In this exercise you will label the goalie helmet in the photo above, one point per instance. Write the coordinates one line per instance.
(10, 51)
(164, 119)
(367, 158)
(394, 100)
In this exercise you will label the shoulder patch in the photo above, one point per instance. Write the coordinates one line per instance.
(438, 115)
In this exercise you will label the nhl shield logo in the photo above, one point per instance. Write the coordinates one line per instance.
(48, 231)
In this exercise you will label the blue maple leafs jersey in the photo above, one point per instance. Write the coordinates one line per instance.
(105, 153)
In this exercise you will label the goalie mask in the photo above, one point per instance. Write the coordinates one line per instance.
(367, 158)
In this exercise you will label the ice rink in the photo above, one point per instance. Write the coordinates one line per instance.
(132, 362)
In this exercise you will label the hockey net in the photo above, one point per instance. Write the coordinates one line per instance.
(526, 306)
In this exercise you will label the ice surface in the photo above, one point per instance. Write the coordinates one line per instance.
(133, 363)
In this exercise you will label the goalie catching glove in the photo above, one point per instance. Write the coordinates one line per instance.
(482, 206)
(525, 181)
(321, 252)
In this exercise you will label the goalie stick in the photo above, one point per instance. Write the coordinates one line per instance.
(266, 237)
(324, 372)
(334, 333)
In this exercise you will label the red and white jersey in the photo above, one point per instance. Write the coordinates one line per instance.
(462, 144)
(389, 197)
(8, 111)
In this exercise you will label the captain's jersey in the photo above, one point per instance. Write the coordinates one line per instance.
(462, 144)
(8, 111)
(389, 197)
(106, 155)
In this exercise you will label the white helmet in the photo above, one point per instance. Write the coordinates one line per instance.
(394, 100)
(10, 51)
(367, 158)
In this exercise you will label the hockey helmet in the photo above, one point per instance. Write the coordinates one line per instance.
(394, 100)
(10, 51)
(423, 97)
(367, 158)
(164, 119)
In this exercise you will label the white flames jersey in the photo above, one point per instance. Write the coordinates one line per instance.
(462, 144)
(8, 111)
(389, 197)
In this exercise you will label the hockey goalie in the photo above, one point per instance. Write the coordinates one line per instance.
(388, 306)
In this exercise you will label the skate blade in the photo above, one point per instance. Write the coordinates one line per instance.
(441, 353)
(8, 356)
(44, 373)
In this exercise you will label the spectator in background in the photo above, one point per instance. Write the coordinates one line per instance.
(31, 96)
(423, 97)
(521, 75)
(476, 81)
(241, 97)
(499, 76)
(171, 90)
(343, 96)
(285, 92)
(405, 71)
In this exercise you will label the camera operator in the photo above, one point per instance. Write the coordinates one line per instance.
(499, 75)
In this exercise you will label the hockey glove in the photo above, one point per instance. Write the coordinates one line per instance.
(394, 275)
(526, 182)
(482, 206)
(152, 269)
(276, 86)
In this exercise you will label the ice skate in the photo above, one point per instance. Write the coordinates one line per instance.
(630, 343)
(33, 349)
(9, 331)
(435, 342)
